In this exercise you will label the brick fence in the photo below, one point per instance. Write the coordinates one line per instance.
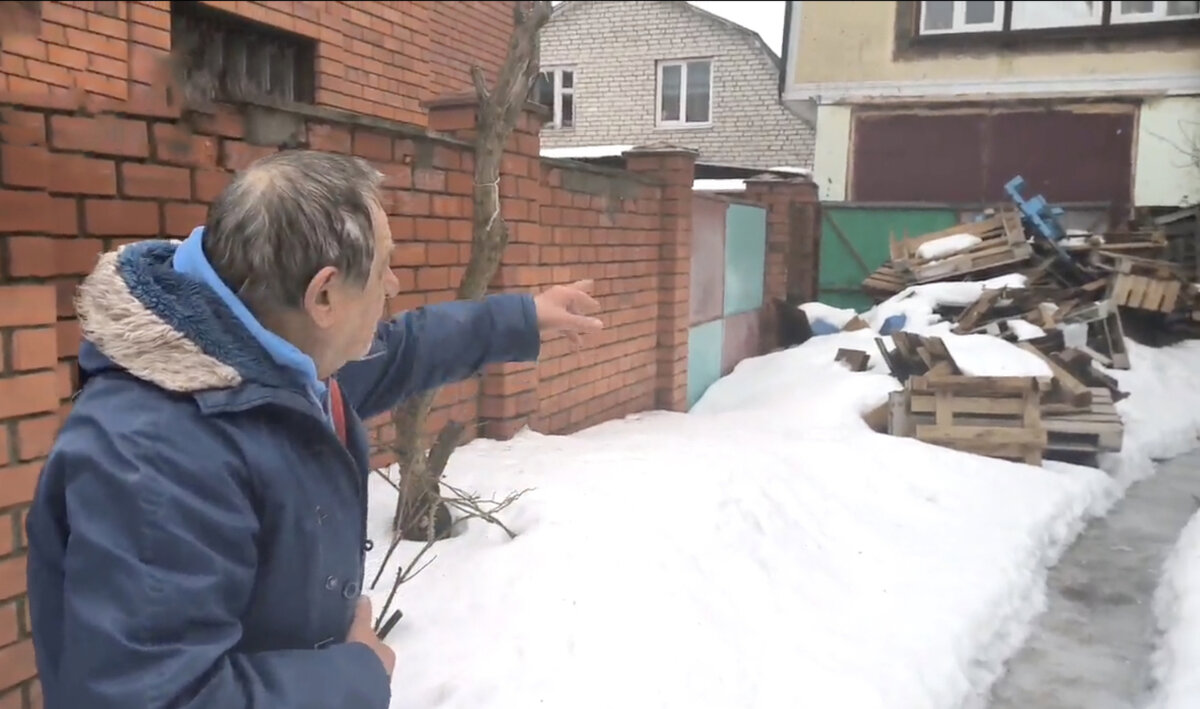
(77, 179)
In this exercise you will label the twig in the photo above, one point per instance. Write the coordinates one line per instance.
(380, 472)
(473, 508)
(404, 576)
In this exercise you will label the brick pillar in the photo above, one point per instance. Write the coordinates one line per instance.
(29, 400)
(675, 169)
(32, 383)
(791, 238)
(508, 399)
(792, 242)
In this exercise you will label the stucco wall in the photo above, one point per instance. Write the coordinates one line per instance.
(854, 41)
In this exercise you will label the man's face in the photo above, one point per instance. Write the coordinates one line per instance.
(363, 308)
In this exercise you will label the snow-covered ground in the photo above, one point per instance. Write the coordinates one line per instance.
(1177, 604)
(765, 550)
(1165, 426)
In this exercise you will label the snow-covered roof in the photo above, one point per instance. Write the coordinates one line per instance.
(727, 185)
(586, 152)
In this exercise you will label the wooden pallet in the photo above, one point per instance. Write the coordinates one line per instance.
(1114, 262)
(999, 417)
(884, 281)
(1098, 429)
(1004, 243)
(1160, 295)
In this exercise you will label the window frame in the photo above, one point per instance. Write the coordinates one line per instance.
(1158, 13)
(1106, 16)
(1106, 35)
(557, 91)
(958, 21)
(682, 123)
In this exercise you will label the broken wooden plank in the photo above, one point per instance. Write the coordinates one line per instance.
(856, 360)
(1068, 388)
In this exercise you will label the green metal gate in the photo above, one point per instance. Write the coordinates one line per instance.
(854, 242)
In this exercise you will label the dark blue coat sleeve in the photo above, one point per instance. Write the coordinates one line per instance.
(439, 344)
(160, 562)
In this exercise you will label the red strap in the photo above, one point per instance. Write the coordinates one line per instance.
(338, 410)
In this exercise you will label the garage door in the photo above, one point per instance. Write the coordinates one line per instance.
(1078, 154)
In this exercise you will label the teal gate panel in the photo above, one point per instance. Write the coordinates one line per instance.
(745, 258)
(705, 346)
(854, 242)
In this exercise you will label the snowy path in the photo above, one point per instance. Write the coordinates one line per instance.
(1093, 645)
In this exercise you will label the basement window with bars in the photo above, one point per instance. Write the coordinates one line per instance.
(225, 57)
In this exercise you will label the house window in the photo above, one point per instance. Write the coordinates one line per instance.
(963, 16)
(685, 93)
(945, 16)
(555, 90)
(1154, 11)
(225, 57)
(1033, 15)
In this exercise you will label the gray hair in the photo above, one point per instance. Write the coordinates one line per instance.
(287, 216)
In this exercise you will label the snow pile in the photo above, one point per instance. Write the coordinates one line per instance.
(1177, 604)
(947, 246)
(1162, 420)
(766, 550)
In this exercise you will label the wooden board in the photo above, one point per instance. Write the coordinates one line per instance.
(856, 360)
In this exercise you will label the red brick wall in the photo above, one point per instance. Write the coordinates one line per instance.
(375, 58)
(72, 185)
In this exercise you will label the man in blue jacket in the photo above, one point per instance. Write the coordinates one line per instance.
(198, 534)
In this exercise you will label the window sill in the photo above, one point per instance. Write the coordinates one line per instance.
(683, 126)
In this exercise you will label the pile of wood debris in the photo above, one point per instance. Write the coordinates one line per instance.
(1081, 291)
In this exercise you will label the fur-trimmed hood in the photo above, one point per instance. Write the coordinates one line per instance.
(166, 327)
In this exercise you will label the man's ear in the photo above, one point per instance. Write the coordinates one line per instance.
(320, 297)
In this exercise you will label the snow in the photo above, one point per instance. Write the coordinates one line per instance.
(947, 246)
(919, 303)
(584, 152)
(792, 170)
(1177, 604)
(1024, 330)
(766, 549)
(713, 185)
(837, 317)
(1165, 424)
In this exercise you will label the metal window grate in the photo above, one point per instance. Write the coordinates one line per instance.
(225, 57)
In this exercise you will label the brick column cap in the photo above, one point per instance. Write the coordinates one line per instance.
(767, 179)
(660, 149)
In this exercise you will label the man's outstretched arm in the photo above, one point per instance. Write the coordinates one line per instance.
(439, 344)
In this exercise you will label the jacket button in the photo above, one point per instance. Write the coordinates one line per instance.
(368, 545)
(350, 590)
(331, 584)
